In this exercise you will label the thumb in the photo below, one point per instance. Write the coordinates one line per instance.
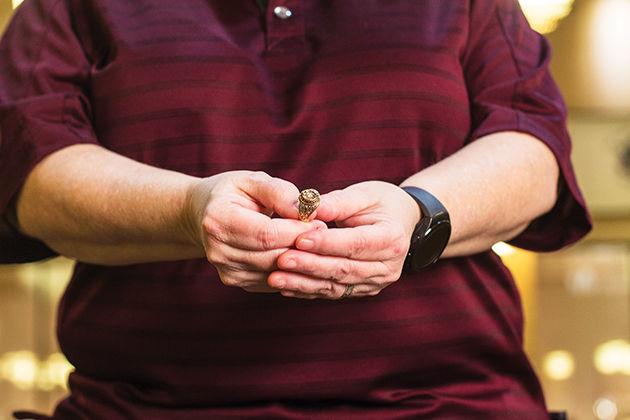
(272, 193)
(339, 205)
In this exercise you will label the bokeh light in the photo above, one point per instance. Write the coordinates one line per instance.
(609, 34)
(544, 15)
(19, 368)
(605, 409)
(613, 357)
(502, 249)
(26, 372)
(559, 365)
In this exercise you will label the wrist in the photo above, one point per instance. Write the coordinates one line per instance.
(414, 210)
(192, 211)
(431, 234)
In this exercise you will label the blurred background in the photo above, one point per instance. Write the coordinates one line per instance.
(577, 301)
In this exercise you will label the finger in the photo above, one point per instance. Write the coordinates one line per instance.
(298, 283)
(339, 205)
(301, 284)
(250, 230)
(377, 242)
(287, 293)
(251, 281)
(236, 259)
(273, 193)
(338, 269)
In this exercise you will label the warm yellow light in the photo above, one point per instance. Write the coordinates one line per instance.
(19, 368)
(605, 409)
(559, 365)
(613, 357)
(502, 249)
(16, 3)
(544, 15)
(53, 372)
(610, 49)
(24, 371)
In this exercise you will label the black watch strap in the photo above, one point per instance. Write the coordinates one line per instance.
(431, 234)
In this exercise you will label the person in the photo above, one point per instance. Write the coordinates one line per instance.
(164, 146)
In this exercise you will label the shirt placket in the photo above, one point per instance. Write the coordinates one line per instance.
(285, 23)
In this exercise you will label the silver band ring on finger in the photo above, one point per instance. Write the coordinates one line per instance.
(348, 291)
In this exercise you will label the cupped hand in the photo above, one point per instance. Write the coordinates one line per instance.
(375, 222)
(229, 214)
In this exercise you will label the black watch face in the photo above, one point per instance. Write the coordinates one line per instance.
(434, 242)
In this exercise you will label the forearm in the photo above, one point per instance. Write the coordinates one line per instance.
(492, 189)
(91, 204)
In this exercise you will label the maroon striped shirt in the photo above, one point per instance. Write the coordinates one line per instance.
(338, 93)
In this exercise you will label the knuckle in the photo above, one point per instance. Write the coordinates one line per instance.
(258, 177)
(324, 291)
(398, 271)
(216, 258)
(399, 246)
(228, 280)
(214, 230)
(209, 226)
(358, 246)
(328, 289)
(344, 270)
(391, 279)
(268, 237)
(212, 257)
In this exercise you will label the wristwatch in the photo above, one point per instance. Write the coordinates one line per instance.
(430, 235)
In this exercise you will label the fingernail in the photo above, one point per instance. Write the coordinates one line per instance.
(290, 263)
(305, 244)
(320, 225)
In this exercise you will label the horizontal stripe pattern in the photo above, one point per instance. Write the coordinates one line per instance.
(340, 93)
(374, 104)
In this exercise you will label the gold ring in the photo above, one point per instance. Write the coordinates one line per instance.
(308, 202)
(348, 292)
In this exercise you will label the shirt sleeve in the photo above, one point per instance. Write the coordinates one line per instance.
(44, 73)
(506, 65)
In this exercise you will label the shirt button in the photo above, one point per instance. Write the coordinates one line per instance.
(282, 12)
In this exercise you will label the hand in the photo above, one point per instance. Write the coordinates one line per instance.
(376, 220)
(229, 215)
